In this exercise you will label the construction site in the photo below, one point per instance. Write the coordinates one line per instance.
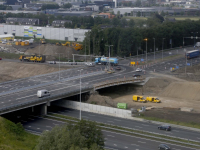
(179, 94)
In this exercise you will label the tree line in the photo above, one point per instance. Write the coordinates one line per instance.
(129, 41)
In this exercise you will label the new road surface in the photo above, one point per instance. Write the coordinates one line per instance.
(113, 141)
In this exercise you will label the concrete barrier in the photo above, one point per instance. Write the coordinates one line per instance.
(94, 108)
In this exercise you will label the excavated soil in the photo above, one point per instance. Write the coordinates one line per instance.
(14, 70)
(51, 51)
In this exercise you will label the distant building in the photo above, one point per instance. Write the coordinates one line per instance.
(22, 21)
(60, 23)
(110, 16)
(73, 13)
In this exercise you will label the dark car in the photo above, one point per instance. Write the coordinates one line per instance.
(118, 68)
(163, 147)
(164, 127)
(136, 75)
(0, 58)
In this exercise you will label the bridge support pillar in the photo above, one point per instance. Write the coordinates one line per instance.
(40, 109)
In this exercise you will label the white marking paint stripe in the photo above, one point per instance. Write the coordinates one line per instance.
(126, 147)
(138, 127)
(135, 144)
(26, 96)
(115, 144)
(111, 135)
(141, 142)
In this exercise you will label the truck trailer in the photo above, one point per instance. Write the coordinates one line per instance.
(192, 54)
(105, 61)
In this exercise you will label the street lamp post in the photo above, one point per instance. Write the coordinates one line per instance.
(80, 92)
(185, 57)
(109, 56)
(154, 48)
(59, 64)
(162, 46)
(146, 49)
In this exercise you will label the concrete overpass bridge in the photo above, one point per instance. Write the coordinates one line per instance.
(18, 94)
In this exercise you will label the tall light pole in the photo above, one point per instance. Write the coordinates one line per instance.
(185, 57)
(154, 49)
(80, 92)
(162, 46)
(109, 56)
(59, 64)
(146, 49)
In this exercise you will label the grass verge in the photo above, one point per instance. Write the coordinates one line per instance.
(187, 124)
(128, 131)
(14, 137)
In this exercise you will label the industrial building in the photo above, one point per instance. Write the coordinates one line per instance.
(23, 21)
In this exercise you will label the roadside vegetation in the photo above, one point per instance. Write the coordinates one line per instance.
(14, 137)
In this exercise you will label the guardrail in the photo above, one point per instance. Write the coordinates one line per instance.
(118, 82)
(68, 63)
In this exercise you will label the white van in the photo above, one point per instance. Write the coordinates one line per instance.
(43, 93)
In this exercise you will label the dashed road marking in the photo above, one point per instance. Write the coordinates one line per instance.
(115, 144)
(135, 145)
(138, 127)
(141, 142)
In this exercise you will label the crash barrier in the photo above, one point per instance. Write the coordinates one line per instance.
(94, 108)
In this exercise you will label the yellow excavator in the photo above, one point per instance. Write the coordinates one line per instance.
(77, 46)
(58, 44)
(43, 41)
(66, 44)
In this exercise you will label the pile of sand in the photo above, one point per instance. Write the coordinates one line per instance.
(50, 51)
(14, 70)
(183, 90)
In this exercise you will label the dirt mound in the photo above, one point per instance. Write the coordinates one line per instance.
(95, 98)
(183, 90)
(14, 70)
(50, 51)
(156, 85)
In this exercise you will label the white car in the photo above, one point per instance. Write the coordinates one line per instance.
(4, 42)
(138, 70)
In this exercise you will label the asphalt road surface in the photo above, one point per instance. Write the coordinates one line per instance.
(133, 124)
(114, 141)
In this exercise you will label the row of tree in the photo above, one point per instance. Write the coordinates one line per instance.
(85, 135)
(129, 41)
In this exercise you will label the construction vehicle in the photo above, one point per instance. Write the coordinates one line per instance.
(66, 44)
(77, 46)
(153, 99)
(58, 44)
(43, 41)
(32, 58)
(138, 98)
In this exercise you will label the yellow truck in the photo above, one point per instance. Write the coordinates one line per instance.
(43, 41)
(32, 58)
(137, 98)
(153, 99)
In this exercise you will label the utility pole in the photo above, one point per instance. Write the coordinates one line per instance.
(146, 49)
(109, 55)
(154, 49)
(162, 46)
(80, 92)
(59, 64)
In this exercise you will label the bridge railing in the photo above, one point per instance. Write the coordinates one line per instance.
(118, 82)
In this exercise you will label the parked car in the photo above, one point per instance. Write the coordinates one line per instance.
(4, 42)
(0, 58)
(164, 127)
(163, 147)
(138, 70)
(136, 75)
(118, 68)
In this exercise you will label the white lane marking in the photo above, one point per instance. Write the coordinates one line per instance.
(26, 96)
(138, 127)
(144, 125)
(2, 102)
(110, 121)
(141, 142)
(117, 120)
(38, 128)
(111, 135)
(9, 100)
(29, 126)
(135, 145)
(125, 147)
(115, 144)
